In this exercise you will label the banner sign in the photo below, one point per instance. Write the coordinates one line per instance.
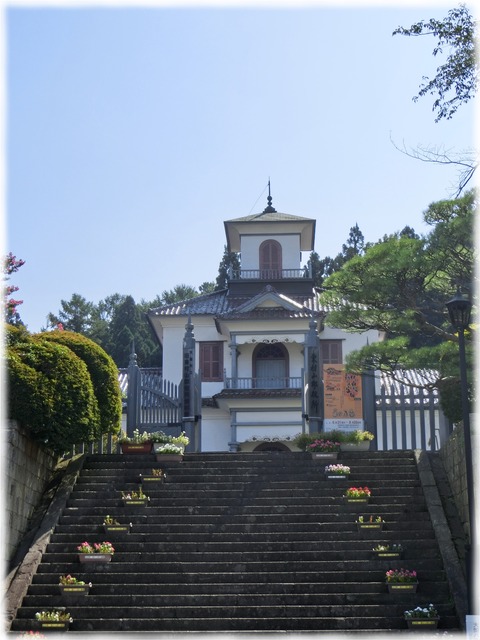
(342, 399)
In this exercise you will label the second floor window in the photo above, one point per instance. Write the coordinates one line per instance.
(331, 351)
(211, 361)
(270, 259)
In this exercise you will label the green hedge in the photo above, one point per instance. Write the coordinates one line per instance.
(103, 373)
(50, 392)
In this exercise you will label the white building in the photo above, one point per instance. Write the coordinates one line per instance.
(251, 337)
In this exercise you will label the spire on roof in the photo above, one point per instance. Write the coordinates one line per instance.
(269, 208)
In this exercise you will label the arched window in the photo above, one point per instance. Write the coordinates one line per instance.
(270, 366)
(270, 259)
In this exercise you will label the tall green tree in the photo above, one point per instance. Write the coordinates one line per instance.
(229, 262)
(399, 287)
(456, 80)
(75, 314)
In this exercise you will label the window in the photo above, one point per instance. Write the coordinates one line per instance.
(270, 366)
(331, 351)
(211, 361)
(270, 259)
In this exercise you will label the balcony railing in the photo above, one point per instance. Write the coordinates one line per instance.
(268, 274)
(263, 383)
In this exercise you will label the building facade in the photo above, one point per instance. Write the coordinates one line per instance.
(254, 340)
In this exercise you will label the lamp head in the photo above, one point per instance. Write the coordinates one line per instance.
(459, 310)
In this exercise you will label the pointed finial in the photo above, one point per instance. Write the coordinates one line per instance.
(269, 208)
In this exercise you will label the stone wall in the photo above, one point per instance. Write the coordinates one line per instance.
(28, 471)
(453, 457)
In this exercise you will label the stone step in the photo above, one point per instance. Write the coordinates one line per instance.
(243, 542)
(235, 625)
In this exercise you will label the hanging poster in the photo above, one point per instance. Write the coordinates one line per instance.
(342, 399)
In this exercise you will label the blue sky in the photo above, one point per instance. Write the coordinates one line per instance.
(132, 134)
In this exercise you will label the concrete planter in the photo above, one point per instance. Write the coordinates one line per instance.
(422, 624)
(324, 456)
(349, 447)
(370, 526)
(73, 592)
(54, 626)
(151, 479)
(94, 558)
(116, 529)
(388, 555)
(169, 457)
(135, 504)
(402, 587)
(142, 447)
(353, 503)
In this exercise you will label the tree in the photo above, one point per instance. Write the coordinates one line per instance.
(75, 315)
(103, 374)
(11, 265)
(179, 293)
(322, 268)
(456, 80)
(128, 328)
(400, 286)
(50, 392)
(229, 262)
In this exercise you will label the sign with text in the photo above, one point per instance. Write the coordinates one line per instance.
(342, 399)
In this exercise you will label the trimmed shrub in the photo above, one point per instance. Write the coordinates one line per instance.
(103, 373)
(50, 393)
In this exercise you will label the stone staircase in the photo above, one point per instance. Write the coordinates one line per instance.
(240, 542)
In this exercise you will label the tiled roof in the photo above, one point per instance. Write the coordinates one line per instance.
(222, 305)
(271, 216)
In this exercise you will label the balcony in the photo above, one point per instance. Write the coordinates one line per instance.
(269, 274)
(264, 383)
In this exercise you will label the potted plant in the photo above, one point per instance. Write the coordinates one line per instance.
(157, 475)
(357, 495)
(112, 526)
(388, 550)
(367, 523)
(169, 452)
(70, 586)
(337, 471)
(138, 443)
(54, 619)
(323, 449)
(160, 439)
(422, 618)
(98, 553)
(358, 440)
(401, 581)
(135, 498)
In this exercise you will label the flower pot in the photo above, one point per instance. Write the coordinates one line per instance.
(370, 526)
(141, 447)
(336, 476)
(50, 625)
(150, 479)
(422, 624)
(402, 587)
(356, 502)
(388, 555)
(169, 457)
(324, 456)
(349, 447)
(116, 529)
(74, 590)
(137, 503)
(94, 558)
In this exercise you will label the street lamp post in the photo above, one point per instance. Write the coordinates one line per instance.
(459, 309)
